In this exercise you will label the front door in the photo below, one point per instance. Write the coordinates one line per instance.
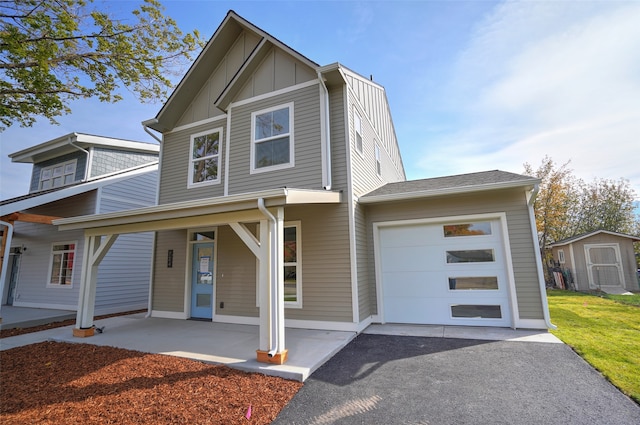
(202, 281)
(14, 266)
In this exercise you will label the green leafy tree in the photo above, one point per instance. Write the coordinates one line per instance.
(555, 204)
(608, 205)
(56, 51)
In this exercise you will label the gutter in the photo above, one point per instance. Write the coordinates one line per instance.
(86, 168)
(275, 296)
(325, 134)
(536, 245)
(145, 125)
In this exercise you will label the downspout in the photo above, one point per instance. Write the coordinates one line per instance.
(86, 168)
(274, 284)
(153, 249)
(325, 135)
(536, 245)
(5, 255)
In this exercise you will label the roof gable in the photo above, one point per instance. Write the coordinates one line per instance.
(238, 45)
(582, 236)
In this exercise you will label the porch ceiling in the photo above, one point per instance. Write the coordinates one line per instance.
(208, 211)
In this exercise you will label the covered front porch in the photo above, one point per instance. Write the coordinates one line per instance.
(265, 209)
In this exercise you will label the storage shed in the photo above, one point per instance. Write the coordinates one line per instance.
(599, 260)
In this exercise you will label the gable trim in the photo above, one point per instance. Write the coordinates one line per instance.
(198, 123)
(274, 93)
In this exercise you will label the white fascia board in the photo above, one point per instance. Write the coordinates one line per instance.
(272, 197)
(440, 192)
(28, 155)
(72, 190)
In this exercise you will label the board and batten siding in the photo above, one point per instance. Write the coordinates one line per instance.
(511, 202)
(175, 167)
(202, 106)
(278, 70)
(81, 166)
(307, 172)
(169, 282)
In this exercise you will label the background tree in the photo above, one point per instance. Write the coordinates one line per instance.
(55, 51)
(567, 206)
(556, 201)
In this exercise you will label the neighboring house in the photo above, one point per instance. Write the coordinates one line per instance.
(283, 202)
(78, 174)
(599, 260)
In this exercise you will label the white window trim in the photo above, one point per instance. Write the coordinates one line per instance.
(73, 269)
(357, 130)
(561, 258)
(298, 264)
(378, 159)
(51, 168)
(190, 183)
(291, 163)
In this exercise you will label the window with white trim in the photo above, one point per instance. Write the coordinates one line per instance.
(378, 161)
(272, 139)
(204, 160)
(61, 265)
(357, 124)
(561, 256)
(292, 265)
(58, 175)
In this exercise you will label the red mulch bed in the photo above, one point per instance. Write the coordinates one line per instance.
(64, 383)
(6, 333)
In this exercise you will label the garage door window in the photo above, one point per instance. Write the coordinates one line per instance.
(476, 311)
(473, 283)
(471, 256)
(478, 228)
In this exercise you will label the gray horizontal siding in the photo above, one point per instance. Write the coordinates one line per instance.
(235, 275)
(307, 172)
(33, 274)
(169, 282)
(174, 170)
(512, 202)
(326, 263)
(82, 204)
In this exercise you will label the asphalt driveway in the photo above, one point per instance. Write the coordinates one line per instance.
(381, 379)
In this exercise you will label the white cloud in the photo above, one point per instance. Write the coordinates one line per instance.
(556, 78)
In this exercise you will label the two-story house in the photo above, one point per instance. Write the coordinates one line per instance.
(283, 203)
(78, 174)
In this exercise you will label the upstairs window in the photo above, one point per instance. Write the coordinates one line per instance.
(58, 175)
(272, 139)
(205, 158)
(378, 161)
(357, 124)
(61, 266)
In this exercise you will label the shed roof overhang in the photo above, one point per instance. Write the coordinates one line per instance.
(195, 213)
(528, 184)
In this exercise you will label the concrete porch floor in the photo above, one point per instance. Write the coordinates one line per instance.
(220, 343)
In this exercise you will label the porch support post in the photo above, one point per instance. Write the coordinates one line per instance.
(264, 287)
(279, 273)
(95, 250)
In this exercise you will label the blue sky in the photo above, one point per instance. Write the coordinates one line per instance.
(472, 85)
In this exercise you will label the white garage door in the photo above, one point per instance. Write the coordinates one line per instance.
(446, 273)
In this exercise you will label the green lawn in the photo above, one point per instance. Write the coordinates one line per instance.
(604, 332)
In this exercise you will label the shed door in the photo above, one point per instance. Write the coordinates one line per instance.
(604, 266)
(446, 273)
